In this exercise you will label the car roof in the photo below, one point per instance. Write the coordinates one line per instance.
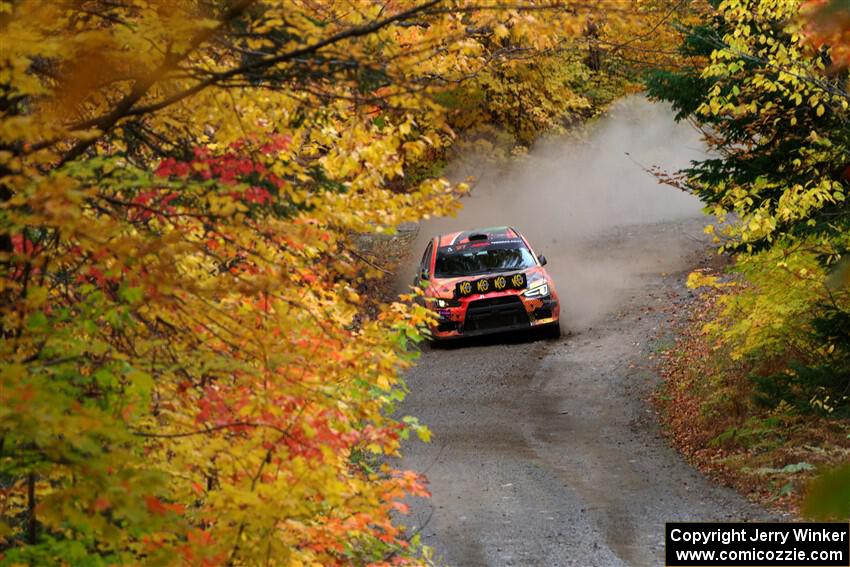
(462, 237)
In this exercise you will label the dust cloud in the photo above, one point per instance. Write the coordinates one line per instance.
(587, 204)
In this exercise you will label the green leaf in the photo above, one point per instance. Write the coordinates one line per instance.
(131, 295)
(37, 321)
(140, 383)
(828, 496)
(105, 378)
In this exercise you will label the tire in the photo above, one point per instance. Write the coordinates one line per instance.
(552, 331)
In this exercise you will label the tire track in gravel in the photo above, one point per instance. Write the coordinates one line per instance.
(547, 453)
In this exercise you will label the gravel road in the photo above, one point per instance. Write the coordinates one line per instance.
(547, 452)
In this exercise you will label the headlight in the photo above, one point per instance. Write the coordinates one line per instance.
(539, 290)
(443, 303)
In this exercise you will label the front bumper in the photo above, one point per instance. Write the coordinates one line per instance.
(498, 313)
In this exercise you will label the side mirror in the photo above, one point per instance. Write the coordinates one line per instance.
(423, 274)
(543, 260)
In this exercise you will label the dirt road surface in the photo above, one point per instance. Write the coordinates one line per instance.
(547, 453)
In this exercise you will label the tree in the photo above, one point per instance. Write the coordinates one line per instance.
(774, 117)
(826, 23)
(774, 110)
(185, 375)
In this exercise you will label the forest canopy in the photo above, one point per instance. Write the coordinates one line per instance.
(187, 375)
(767, 82)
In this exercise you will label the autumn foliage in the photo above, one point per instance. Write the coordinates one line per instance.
(186, 375)
(769, 364)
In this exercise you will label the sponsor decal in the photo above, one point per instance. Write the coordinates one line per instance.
(485, 285)
(501, 244)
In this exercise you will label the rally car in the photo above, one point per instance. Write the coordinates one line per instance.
(487, 281)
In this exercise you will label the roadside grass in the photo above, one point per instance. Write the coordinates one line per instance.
(707, 410)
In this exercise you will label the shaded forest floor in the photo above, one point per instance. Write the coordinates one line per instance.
(707, 411)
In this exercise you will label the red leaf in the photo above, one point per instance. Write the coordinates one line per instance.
(156, 506)
(101, 504)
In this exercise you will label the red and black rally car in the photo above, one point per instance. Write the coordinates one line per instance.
(487, 281)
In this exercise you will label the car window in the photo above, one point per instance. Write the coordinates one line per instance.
(452, 262)
(425, 264)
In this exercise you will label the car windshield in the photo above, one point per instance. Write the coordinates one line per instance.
(452, 262)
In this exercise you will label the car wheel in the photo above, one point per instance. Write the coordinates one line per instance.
(552, 331)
